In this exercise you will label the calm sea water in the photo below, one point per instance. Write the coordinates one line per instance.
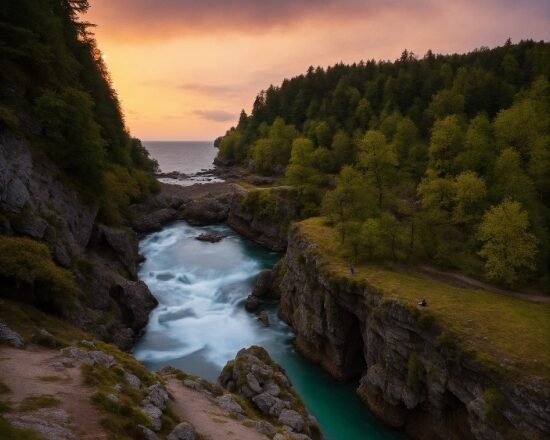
(186, 157)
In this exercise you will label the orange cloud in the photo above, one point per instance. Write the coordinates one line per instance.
(184, 69)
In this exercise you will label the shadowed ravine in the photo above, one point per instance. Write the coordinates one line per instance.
(200, 322)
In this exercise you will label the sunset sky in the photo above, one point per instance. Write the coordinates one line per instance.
(184, 69)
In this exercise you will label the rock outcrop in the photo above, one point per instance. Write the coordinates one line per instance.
(112, 306)
(10, 337)
(197, 204)
(263, 290)
(34, 204)
(264, 219)
(255, 377)
(408, 379)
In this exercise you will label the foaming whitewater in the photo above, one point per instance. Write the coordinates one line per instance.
(200, 322)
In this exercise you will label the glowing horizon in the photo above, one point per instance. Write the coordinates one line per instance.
(207, 61)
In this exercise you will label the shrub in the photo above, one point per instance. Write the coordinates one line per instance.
(494, 404)
(262, 204)
(28, 263)
(414, 372)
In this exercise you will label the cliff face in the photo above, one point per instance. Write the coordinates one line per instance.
(407, 378)
(113, 305)
(264, 220)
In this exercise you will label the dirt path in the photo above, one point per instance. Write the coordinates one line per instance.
(29, 373)
(207, 418)
(463, 281)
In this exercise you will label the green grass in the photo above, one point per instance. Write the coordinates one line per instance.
(27, 320)
(9, 432)
(506, 333)
(32, 403)
(29, 263)
(4, 388)
(51, 379)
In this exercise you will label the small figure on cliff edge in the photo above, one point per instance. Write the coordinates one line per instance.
(422, 302)
(351, 269)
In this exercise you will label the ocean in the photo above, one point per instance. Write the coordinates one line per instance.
(186, 157)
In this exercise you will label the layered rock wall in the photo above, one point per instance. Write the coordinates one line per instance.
(407, 377)
(34, 203)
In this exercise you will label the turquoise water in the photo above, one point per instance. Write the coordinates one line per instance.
(201, 323)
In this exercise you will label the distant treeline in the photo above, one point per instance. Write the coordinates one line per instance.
(444, 158)
(56, 92)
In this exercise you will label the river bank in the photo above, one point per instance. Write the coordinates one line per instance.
(405, 395)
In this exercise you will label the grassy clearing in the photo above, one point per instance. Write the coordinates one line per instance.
(4, 388)
(27, 320)
(504, 332)
(9, 432)
(33, 403)
(51, 379)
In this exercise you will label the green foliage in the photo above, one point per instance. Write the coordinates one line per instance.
(262, 204)
(470, 194)
(494, 404)
(379, 160)
(32, 403)
(430, 143)
(75, 138)
(27, 268)
(508, 246)
(270, 154)
(415, 371)
(351, 199)
(54, 76)
(445, 144)
(8, 431)
(4, 388)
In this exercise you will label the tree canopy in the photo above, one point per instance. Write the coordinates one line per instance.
(56, 92)
(411, 158)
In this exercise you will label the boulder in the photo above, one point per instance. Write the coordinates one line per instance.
(228, 403)
(254, 376)
(266, 428)
(45, 338)
(132, 380)
(124, 244)
(263, 318)
(264, 284)
(135, 301)
(289, 417)
(210, 237)
(96, 357)
(154, 414)
(153, 221)
(147, 434)
(51, 423)
(157, 396)
(183, 431)
(252, 302)
(153, 405)
(207, 211)
(10, 337)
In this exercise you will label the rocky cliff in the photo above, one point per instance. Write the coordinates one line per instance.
(35, 203)
(408, 377)
(263, 215)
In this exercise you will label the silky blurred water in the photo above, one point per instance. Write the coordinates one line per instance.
(201, 322)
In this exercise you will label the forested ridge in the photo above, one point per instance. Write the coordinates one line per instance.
(56, 93)
(444, 158)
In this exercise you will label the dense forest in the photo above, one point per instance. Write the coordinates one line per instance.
(56, 93)
(444, 158)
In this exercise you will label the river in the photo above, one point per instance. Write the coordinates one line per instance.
(201, 323)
